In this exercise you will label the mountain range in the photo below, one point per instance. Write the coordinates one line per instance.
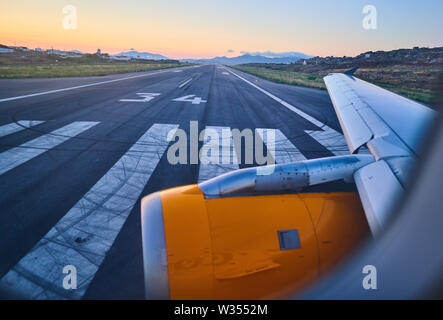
(246, 57)
(257, 57)
(139, 55)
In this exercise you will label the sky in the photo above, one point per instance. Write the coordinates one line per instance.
(208, 28)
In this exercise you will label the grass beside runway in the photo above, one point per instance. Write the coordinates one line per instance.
(427, 96)
(287, 77)
(78, 70)
(388, 78)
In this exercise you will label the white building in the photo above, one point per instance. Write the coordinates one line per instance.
(6, 50)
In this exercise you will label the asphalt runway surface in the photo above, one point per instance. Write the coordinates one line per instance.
(78, 154)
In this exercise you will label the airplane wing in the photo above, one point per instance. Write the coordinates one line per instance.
(391, 127)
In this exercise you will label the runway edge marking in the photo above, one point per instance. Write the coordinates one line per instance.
(329, 138)
(81, 86)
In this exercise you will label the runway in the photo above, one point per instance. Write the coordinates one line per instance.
(78, 154)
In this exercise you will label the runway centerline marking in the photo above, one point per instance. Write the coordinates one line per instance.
(14, 157)
(146, 97)
(81, 86)
(331, 139)
(11, 128)
(85, 234)
(185, 83)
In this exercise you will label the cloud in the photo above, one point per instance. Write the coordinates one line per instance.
(270, 54)
(230, 51)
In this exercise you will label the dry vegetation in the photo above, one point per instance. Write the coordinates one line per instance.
(282, 76)
(414, 82)
(412, 73)
(31, 64)
(83, 70)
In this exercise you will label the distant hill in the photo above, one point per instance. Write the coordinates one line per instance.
(414, 56)
(410, 72)
(258, 57)
(372, 59)
(139, 55)
(38, 56)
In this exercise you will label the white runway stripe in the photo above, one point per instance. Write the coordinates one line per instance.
(283, 151)
(226, 159)
(14, 157)
(11, 128)
(330, 139)
(185, 83)
(85, 234)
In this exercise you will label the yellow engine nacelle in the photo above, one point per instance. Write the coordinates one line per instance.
(244, 247)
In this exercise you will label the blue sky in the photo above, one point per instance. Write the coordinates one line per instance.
(197, 28)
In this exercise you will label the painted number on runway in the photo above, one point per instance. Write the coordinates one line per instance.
(191, 98)
(145, 97)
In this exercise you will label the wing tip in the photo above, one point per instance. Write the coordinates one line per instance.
(351, 72)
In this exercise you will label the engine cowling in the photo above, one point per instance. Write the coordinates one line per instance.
(244, 247)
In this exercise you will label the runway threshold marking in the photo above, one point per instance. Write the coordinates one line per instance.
(14, 157)
(331, 139)
(226, 159)
(11, 128)
(282, 150)
(81, 86)
(185, 83)
(85, 234)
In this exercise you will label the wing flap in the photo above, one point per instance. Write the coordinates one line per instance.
(366, 111)
(355, 130)
(379, 191)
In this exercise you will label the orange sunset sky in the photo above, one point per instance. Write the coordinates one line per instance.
(203, 29)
